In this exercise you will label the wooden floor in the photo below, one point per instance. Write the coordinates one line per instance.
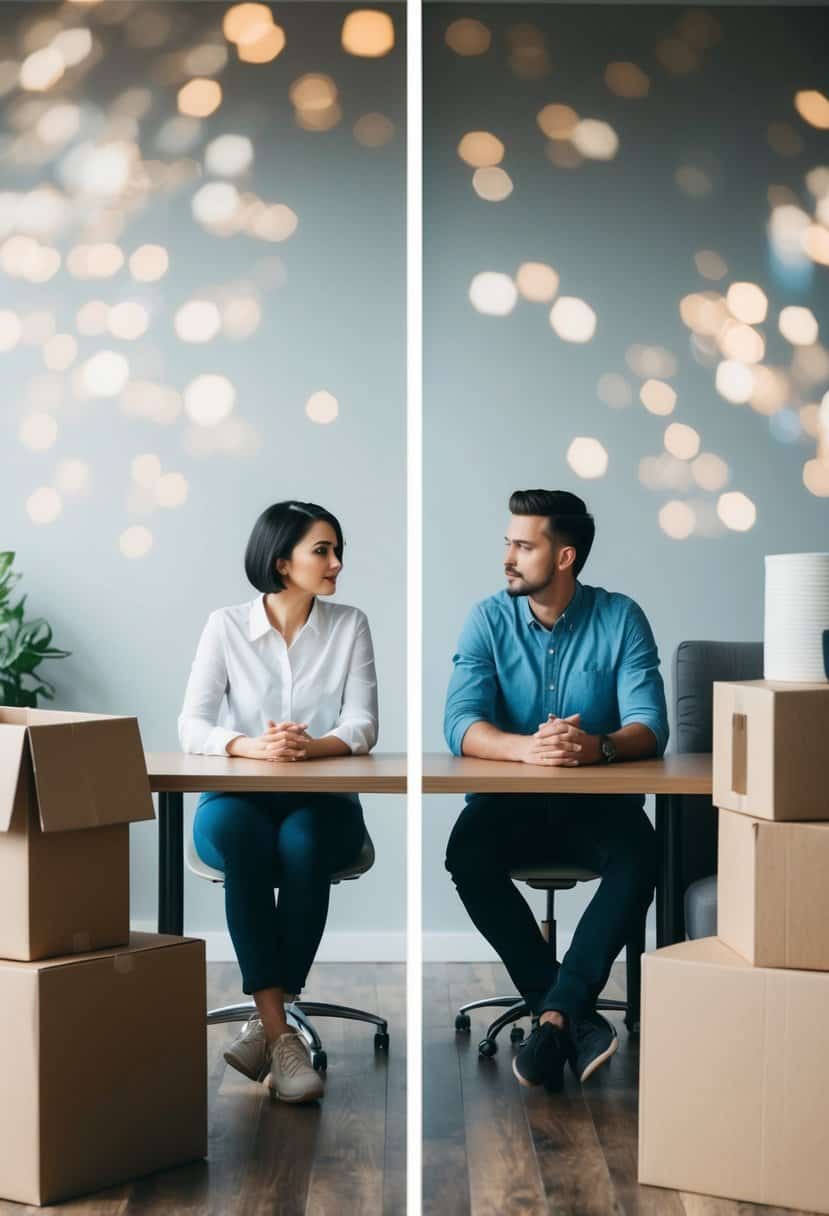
(494, 1148)
(345, 1155)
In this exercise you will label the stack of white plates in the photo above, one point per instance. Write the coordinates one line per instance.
(797, 612)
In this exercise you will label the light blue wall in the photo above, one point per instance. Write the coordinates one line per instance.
(505, 396)
(336, 322)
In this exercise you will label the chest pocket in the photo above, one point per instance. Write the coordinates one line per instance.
(591, 692)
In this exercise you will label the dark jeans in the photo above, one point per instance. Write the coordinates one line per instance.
(293, 841)
(609, 834)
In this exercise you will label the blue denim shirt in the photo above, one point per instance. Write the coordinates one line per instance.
(599, 660)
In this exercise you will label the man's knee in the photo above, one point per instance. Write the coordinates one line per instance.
(470, 851)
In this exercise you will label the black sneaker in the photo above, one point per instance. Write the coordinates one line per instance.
(541, 1059)
(594, 1040)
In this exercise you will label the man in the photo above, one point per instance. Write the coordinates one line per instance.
(553, 672)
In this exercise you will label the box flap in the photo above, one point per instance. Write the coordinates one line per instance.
(89, 772)
(118, 954)
(12, 747)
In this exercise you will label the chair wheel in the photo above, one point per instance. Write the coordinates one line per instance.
(319, 1061)
(381, 1041)
(462, 1021)
(516, 1035)
(487, 1048)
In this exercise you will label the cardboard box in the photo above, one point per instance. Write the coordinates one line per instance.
(770, 749)
(104, 1065)
(734, 1077)
(70, 785)
(772, 893)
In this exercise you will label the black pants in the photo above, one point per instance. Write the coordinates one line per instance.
(609, 834)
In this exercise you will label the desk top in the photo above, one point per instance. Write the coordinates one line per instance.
(176, 772)
(680, 774)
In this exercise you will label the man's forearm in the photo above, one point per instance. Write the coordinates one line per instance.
(634, 742)
(487, 742)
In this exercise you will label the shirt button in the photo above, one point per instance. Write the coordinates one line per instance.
(552, 650)
(552, 688)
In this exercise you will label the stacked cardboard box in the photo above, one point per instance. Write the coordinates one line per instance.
(734, 1070)
(102, 1033)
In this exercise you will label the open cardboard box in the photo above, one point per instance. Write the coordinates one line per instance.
(734, 1077)
(70, 785)
(769, 742)
(103, 1059)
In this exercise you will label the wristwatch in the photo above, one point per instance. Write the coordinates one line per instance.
(607, 749)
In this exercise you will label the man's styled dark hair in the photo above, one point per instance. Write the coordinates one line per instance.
(277, 530)
(568, 520)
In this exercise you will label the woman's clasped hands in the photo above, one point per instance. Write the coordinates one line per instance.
(280, 741)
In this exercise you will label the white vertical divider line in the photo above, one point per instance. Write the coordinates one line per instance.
(414, 588)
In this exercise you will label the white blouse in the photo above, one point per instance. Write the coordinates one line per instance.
(243, 674)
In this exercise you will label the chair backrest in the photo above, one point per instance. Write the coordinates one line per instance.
(696, 667)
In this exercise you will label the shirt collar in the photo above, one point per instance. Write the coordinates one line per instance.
(570, 616)
(259, 625)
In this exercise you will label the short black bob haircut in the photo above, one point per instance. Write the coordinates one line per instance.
(569, 521)
(277, 530)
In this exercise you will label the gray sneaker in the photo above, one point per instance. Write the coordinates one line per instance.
(292, 1078)
(250, 1052)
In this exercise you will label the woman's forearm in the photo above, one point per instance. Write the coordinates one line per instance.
(328, 745)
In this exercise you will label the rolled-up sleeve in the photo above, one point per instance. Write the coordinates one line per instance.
(473, 685)
(357, 723)
(640, 691)
(197, 724)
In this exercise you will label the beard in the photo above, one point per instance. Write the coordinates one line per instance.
(522, 587)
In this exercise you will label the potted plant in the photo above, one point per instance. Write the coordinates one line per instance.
(24, 645)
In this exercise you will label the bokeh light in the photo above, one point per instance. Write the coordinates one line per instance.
(736, 511)
(627, 80)
(209, 399)
(710, 265)
(264, 48)
(228, 155)
(693, 181)
(199, 98)
(481, 149)
(60, 352)
(171, 490)
(557, 121)
(651, 361)
(813, 107)
(105, 374)
(373, 130)
(798, 325)
(149, 263)
(747, 302)
(128, 320)
(677, 519)
(492, 184)
(681, 441)
(368, 33)
(614, 390)
(493, 294)
(136, 541)
(145, 470)
(536, 281)
(44, 505)
(816, 477)
(595, 139)
(710, 471)
(658, 397)
(573, 319)
(468, 37)
(587, 457)
(73, 477)
(197, 321)
(38, 432)
(734, 382)
(322, 407)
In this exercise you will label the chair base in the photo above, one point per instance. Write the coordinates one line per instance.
(298, 1014)
(517, 1008)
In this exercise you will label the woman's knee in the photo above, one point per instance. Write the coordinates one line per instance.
(229, 830)
(320, 839)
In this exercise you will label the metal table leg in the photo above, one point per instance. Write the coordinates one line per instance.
(669, 918)
(171, 863)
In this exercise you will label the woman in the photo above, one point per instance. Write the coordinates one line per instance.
(287, 676)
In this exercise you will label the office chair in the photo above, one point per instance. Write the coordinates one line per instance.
(696, 667)
(552, 879)
(298, 1013)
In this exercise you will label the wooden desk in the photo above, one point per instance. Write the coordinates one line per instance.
(173, 774)
(668, 779)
